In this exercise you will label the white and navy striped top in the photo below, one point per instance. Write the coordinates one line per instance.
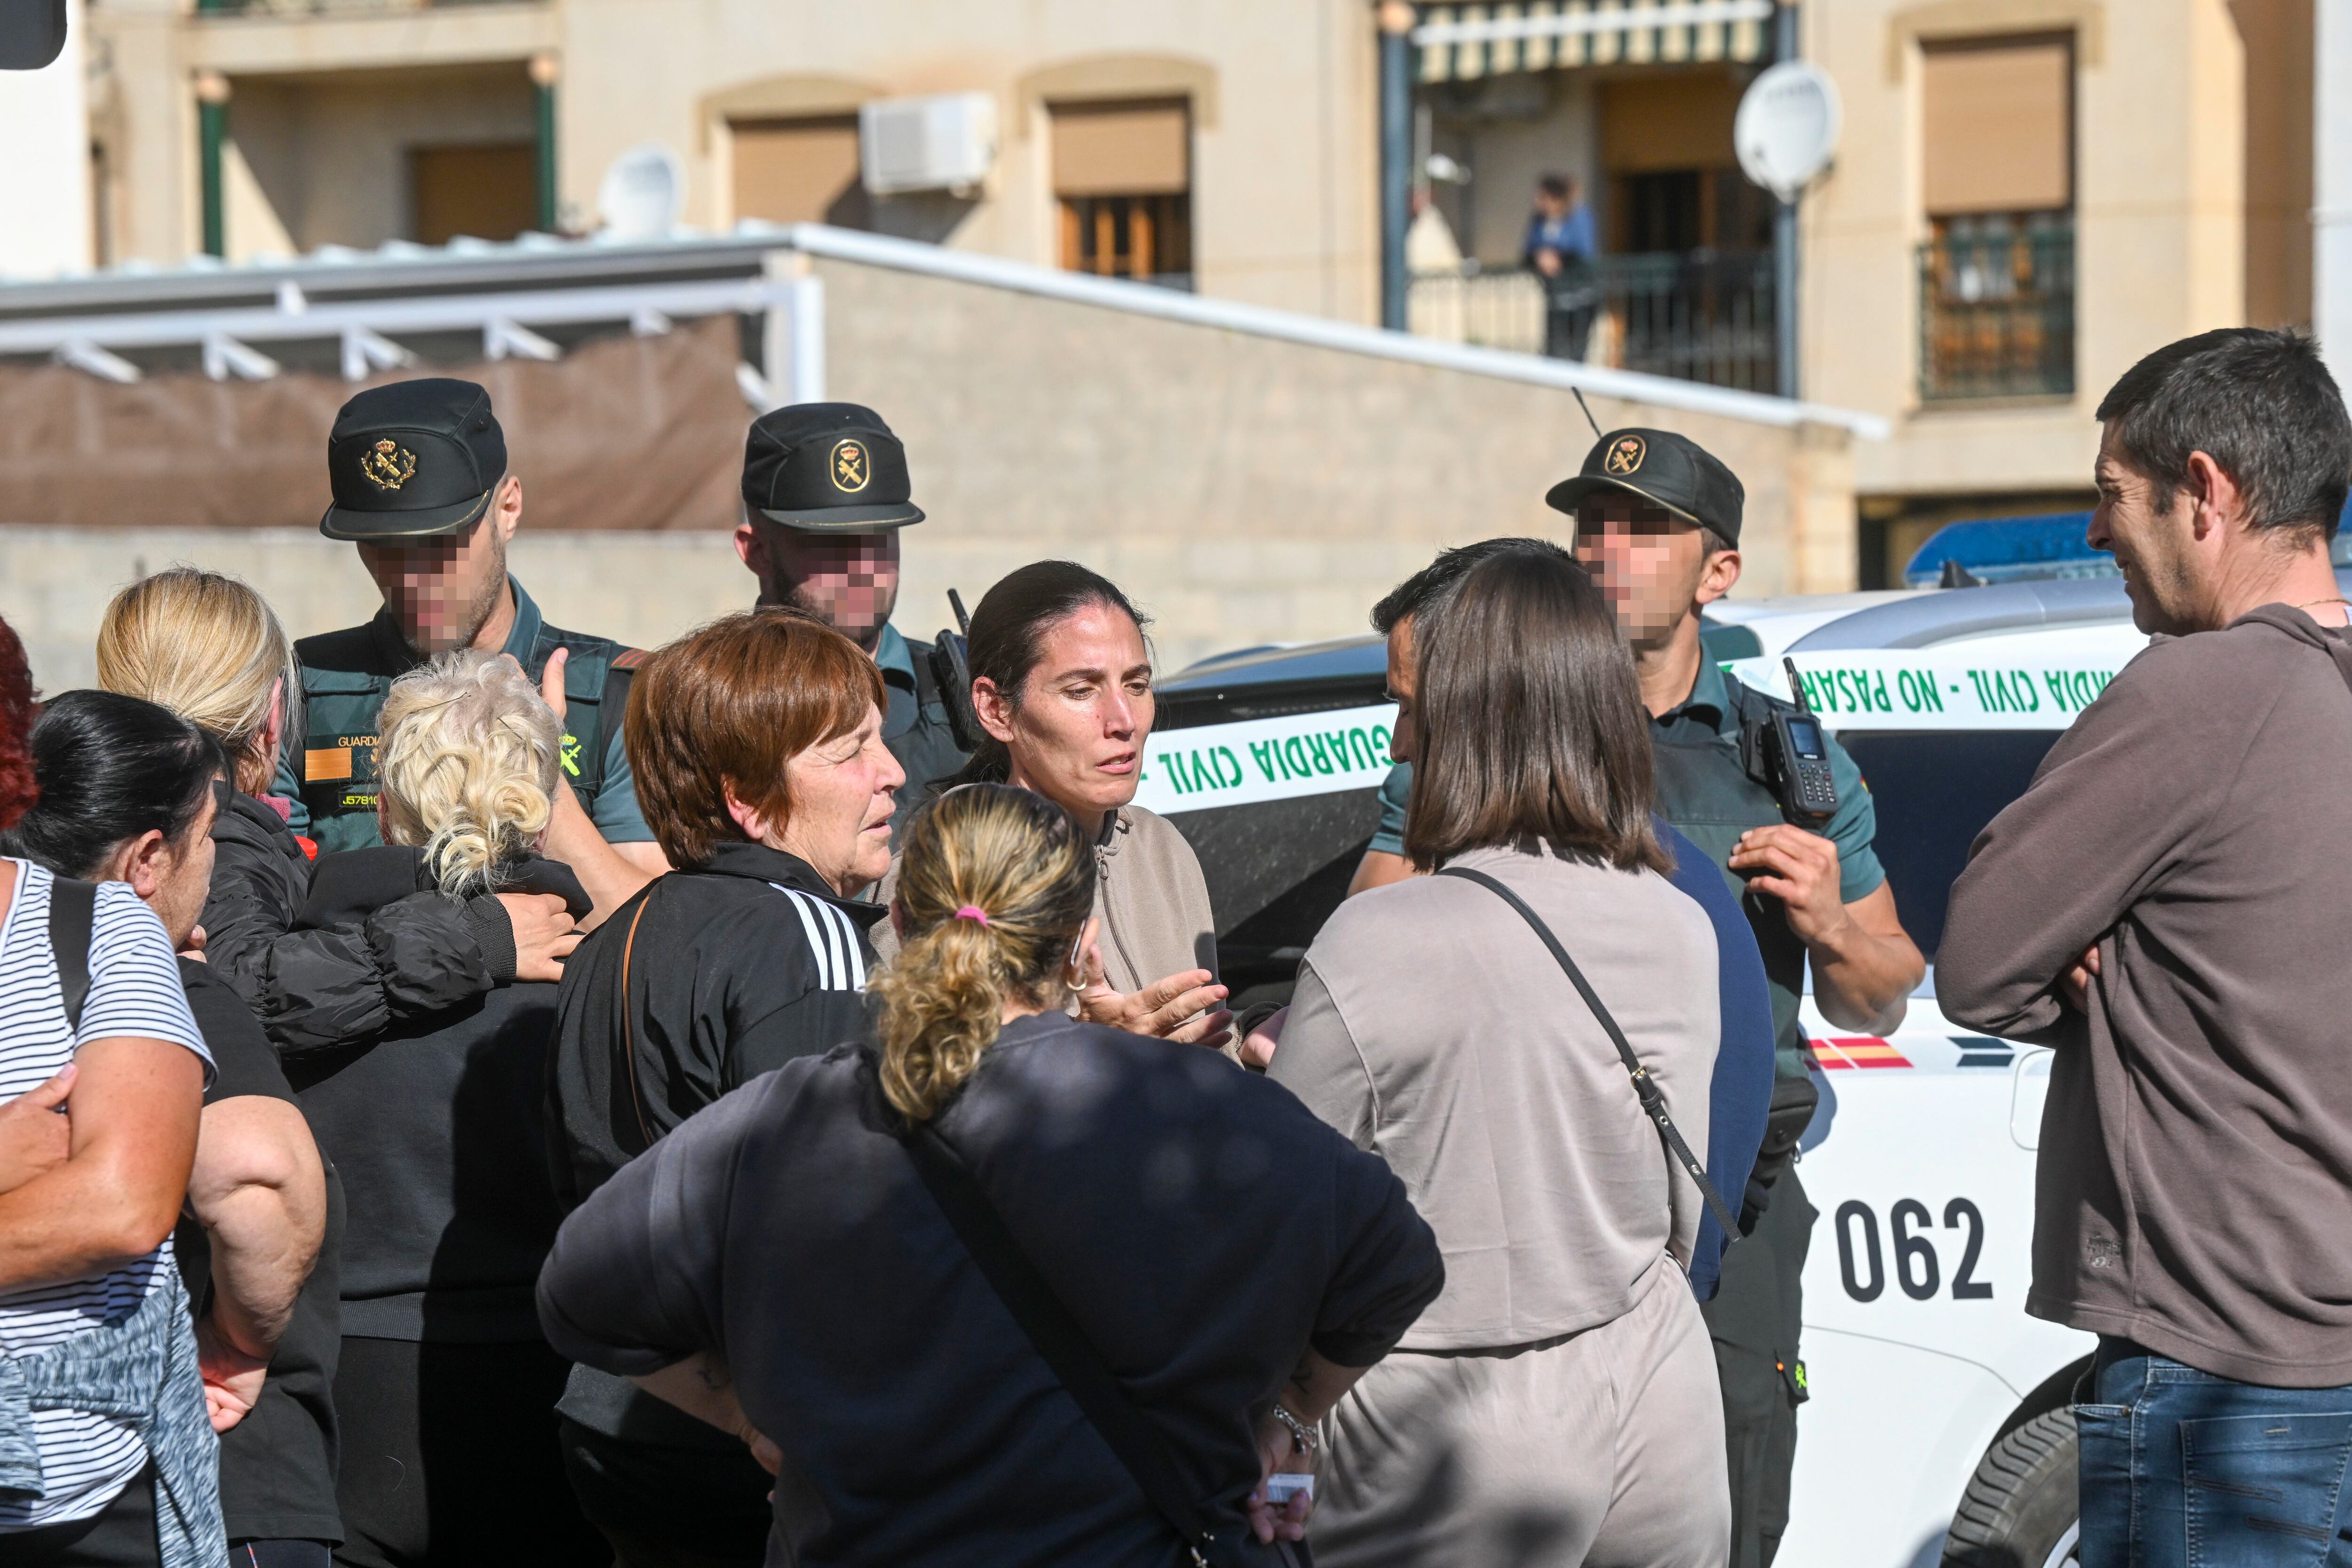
(134, 990)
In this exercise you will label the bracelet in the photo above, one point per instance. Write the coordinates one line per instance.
(1300, 1432)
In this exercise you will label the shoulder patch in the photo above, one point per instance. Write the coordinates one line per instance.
(628, 658)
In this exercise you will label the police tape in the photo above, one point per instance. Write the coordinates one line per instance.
(1303, 755)
(1265, 759)
(1893, 690)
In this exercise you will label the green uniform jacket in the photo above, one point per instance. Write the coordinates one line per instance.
(331, 773)
(916, 729)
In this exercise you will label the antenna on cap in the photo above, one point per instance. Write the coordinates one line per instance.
(1588, 411)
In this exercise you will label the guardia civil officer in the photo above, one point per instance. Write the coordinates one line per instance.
(420, 485)
(824, 494)
(1658, 522)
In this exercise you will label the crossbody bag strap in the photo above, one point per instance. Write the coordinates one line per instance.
(1654, 1102)
(1058, 1337)
(73, 906)
(628, 1066)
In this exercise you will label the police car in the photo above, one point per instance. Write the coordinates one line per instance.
(1938, 1427)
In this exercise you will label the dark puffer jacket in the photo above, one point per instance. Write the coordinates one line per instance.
(315, 989)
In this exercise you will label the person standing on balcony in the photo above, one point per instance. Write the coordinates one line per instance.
(825, 495)
(420, 485)
(1561, 245)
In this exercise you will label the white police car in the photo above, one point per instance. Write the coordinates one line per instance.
(1939, 1426)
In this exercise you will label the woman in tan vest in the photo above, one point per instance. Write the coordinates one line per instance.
(1061, 679)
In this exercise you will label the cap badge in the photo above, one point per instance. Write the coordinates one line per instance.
(1625, 454)
(851, 470)
(388, 465)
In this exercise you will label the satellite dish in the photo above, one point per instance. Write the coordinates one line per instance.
(643, 192)
(1787, 128)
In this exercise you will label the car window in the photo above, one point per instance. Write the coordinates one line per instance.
(1933, 792)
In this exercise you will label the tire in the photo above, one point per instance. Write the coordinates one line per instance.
(2020, 1509)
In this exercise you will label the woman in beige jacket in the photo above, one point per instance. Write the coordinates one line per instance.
(1061, 679)
(1558, 1405)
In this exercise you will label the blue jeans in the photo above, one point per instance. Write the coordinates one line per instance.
(2184, 1469)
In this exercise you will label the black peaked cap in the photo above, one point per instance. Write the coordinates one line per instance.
(413, 459)
(1674, 471)
(827, 467)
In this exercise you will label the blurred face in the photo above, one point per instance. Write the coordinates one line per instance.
(1652, 565)
(1076, 727)
(2155, 548)
(443, 591)
(172, 880)
(848, 580)
(1400, 679)
(841, 792)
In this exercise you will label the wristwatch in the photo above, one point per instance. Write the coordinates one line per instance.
(1300, 1432)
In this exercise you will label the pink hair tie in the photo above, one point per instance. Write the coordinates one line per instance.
(973, 913)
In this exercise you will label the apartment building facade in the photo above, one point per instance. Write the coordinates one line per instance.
(2027, 195)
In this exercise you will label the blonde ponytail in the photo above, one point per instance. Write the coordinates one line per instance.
(467, 764)
(994, 887)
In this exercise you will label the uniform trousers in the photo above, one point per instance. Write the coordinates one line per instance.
(1754, 1319)
(1600, 1448)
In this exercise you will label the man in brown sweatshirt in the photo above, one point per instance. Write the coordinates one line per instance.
(2169, 906)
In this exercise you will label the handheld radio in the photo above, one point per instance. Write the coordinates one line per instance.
(951, 672)
(1803, 761)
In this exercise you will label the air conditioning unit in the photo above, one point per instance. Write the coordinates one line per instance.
(941, 143)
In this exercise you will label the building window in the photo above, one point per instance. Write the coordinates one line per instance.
(1123, 179)
(1997, 270)
(799, 171)
(489, 191)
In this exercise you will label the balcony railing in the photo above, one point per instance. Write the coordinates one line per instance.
(1996, 314)
(1704, 317)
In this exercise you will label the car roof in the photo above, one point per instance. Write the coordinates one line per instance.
(1768, 629)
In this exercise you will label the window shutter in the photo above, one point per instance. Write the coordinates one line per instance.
(1122, 149)
(1999, 127)
(792, 171)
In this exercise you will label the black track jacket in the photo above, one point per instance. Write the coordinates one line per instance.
(735, 968)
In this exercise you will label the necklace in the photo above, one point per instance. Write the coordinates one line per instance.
(2338, 600)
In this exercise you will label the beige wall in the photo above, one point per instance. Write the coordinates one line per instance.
(1246, 489)
(2161, 224)
(1284, 160)
(1282, 171)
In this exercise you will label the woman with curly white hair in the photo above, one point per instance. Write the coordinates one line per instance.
(446, 1389)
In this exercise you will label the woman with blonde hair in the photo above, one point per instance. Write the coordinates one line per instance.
(209, 648)
(444, 1387)
(1220, 1264)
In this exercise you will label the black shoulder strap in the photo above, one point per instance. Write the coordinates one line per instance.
(72, 906)
(1061, 1342)
(612, 709)
(1654, 1102)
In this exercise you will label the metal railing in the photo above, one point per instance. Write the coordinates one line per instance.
(1705, 316)
(1996, 314)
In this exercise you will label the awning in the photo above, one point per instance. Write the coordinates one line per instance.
(1461, 42)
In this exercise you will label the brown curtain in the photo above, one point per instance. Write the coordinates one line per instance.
(627, 433)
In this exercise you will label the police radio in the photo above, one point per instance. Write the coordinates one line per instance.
(951, 673)
(1800, 755)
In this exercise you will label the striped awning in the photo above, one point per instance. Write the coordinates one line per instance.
(1461, 42)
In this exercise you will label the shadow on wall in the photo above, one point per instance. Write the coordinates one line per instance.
(931, 216)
